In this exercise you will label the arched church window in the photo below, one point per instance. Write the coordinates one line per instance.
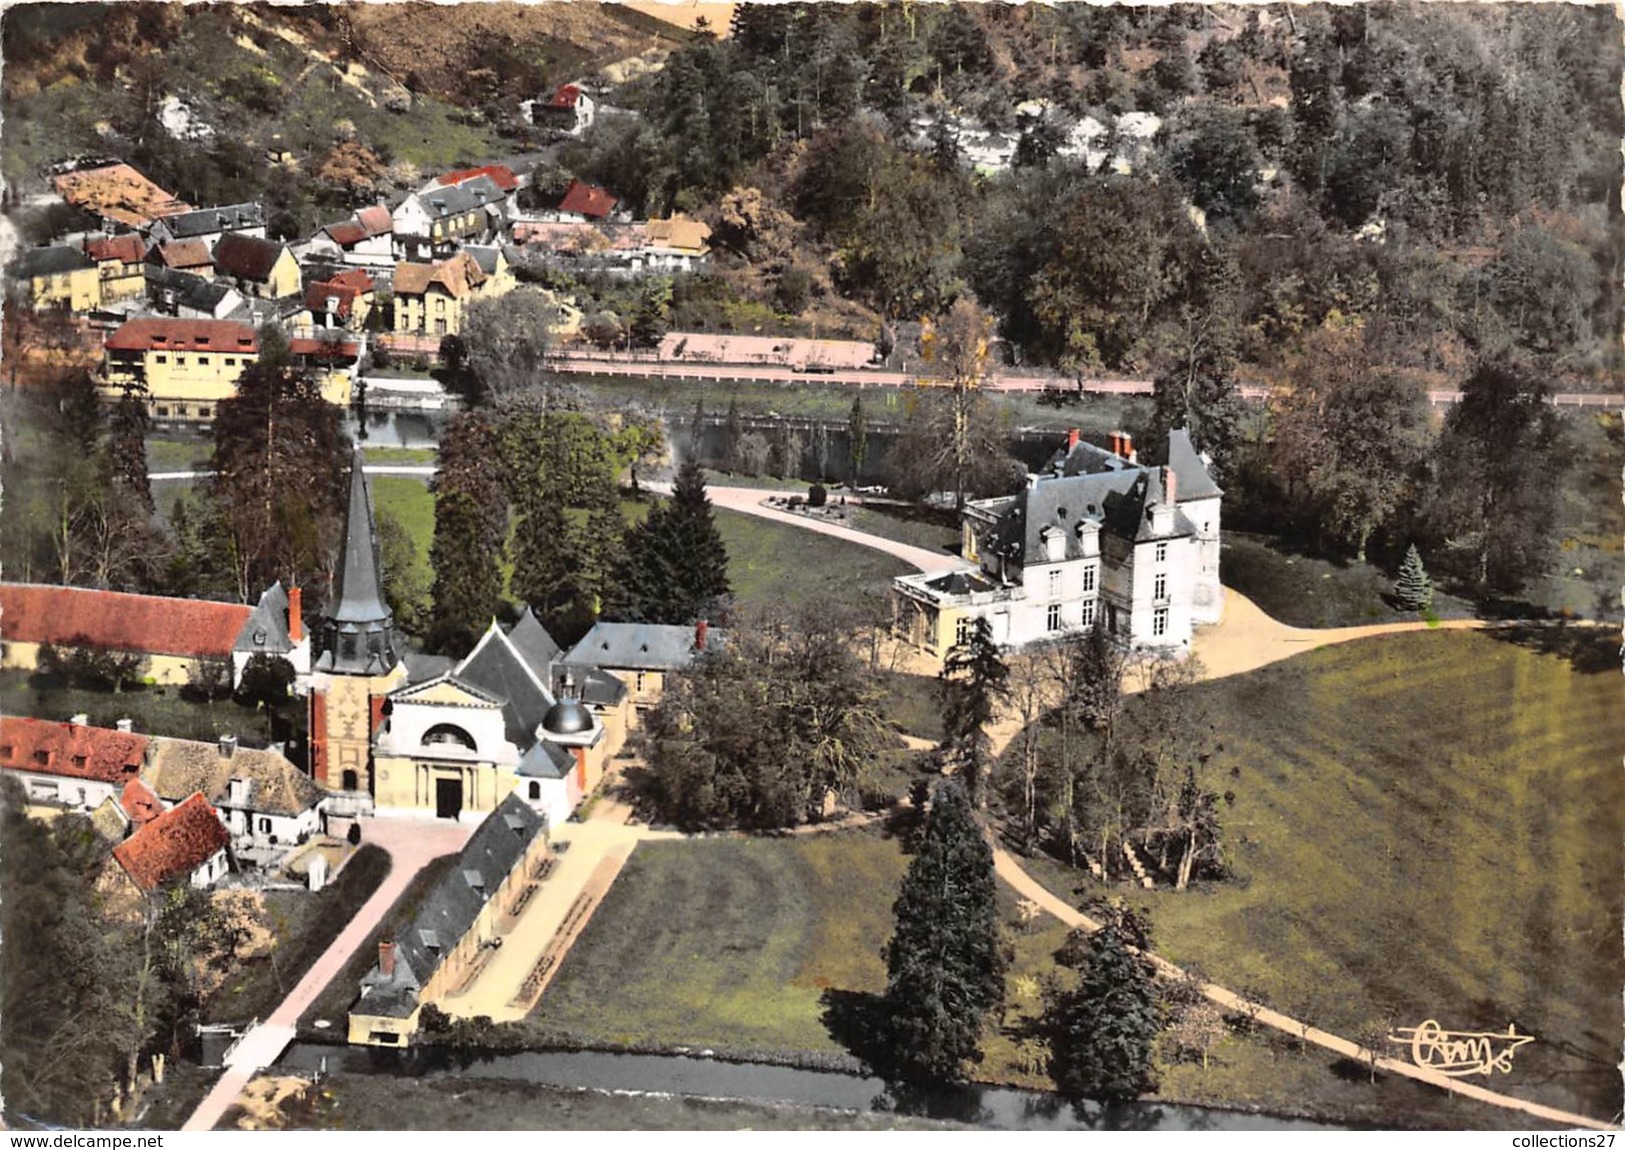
(449, 735)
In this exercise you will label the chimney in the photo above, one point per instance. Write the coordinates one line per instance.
(1071, 439)
(296, 622)
(386, 959)
(1128, 447)
(126, 726)
(700, 630)
(1117, 443)
(80, 720)
(228, 746)
(1169, 486)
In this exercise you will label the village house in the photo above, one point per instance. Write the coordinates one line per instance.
(333, 359)
(120, 266)
(499, 174)
(70, 764)
(429, 298)
(179, 640)
(187, 843)
(676, 245)
(187, 296)
(59, 277)
(209, 225)
(260, 268)
(459, 923)
(190, 256)
(617, 249)
(1095, 540)
(118, 195)
(365, 240)
(582, 202)
(641, 655)
(340, 303)
(433, 224)
(186, 365)
(569, 109)
(267, 804)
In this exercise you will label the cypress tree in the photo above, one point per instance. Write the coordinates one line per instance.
(1413, 589)
(1101, 1032)
(944, 967)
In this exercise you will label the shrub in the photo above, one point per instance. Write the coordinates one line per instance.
(353, 835)
(817, 495)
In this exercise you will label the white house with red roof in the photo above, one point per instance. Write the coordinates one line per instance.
(187, 843)
(70, 764)
(582, 202)
(365, 240)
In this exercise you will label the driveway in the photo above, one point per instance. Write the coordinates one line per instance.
(412, 844)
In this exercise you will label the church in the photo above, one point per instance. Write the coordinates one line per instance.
(393, 732)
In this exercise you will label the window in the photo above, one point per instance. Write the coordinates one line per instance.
(440, 327)
(161, 358)
(1089, 613)
(7, 750)
(265, 826)
(79, 761)
(231, 361)
(43, 758)
(1162, 552)
(962, 629)
(642, 679)
(180, 361)
(204, 412)
(1089, 577)
(204, 360)
(1054, 584)
(1053, 620)
(163, 413)
(1159, 589)
(535, 790)
(1159, 621)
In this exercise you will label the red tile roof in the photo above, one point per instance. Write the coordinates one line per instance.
(246, 257)
(127, 248)
(333, 350)
(174, 844)
(317, 295)
(566, 96)
(139, 802)
(183, 254)
(499, 174)
(194, 628)
(376, 220)
(354, 277)
(160, 333)
(70, 750)
(348, 234)
(587, 200)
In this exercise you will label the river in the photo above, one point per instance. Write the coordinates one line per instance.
(988, 1107)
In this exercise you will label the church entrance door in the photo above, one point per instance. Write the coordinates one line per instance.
(448, 798)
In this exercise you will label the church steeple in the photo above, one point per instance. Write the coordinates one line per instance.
(360, 636)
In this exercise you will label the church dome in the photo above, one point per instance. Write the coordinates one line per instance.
(567, 717)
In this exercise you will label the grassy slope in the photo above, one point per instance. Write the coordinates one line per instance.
(1424, 826)
(777, 563)
(730, 942)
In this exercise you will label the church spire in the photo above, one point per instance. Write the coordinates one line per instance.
(360, 629)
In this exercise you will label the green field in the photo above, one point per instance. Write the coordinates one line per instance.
(729, 942)
(776, 563)
(1424, 826)
(152, 710)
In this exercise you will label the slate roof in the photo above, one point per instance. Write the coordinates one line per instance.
(127, 248)
(486, 256)
(360, 583)
(545, 760)
(173, 845)
(420, 668)
(450, 908)
(207, 221)
(37, 613)
(600, 688)
(638, 647)
(588, 200)
(180, 767)
(191, 291)
(182, 254)
(247, 257)
(456, 199)
(1192, 478)
(70, 750)
(532, 641)
(52, 261)
(497, 667)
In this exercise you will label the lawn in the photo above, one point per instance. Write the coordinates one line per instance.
(153, 710)
(729, 943)
(934, 530)
(398, 455)
(178, 454)
(1304, 591)
(1424, 826)
(777, 563)
(304, 926)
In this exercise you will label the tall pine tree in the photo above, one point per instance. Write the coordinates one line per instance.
(1101, 1031)
(944, 966)
(470, 531)
(675, 569)
(974, 680)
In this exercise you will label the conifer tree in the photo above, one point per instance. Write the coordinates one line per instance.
(127, 446)
(546, 570)
(731, 435)
(858, 430)
(973, 681)
(1101, 1032)
(1413, 589)
(470, 532)
(944, 966)
(605, 543)
(676, 568)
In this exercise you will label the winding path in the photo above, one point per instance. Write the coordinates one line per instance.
(1244, 640)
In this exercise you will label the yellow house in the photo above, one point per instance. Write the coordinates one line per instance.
(429, 298)
(333, 361)
(641, 655)
(120, 266)
(60, 277)
(187, 365)
(262, 268)
(460, 922)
